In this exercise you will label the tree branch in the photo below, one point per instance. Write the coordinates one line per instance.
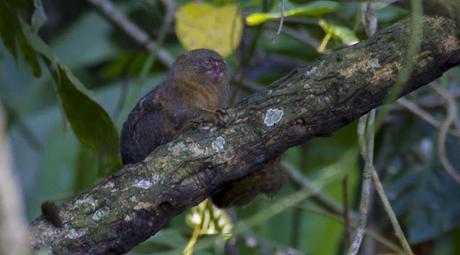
(130, 206)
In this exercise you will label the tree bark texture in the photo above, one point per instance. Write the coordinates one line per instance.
(130, 206)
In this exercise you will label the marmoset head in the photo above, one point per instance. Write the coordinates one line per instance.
(202, 66)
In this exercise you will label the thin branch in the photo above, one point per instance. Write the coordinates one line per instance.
(424, 115)
(389, 210)
(320, 198)
(442, 137)
(366, 187)
(243, 66)
(366, 142)
(154, 52)
(337, 217)
(280, 26)
(302, 36)
(329, 207)
(346, 211)
(108, 10)
(433, 100)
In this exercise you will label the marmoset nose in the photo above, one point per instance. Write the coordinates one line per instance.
(218, 67)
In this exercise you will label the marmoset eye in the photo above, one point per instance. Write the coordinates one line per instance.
(207, 64)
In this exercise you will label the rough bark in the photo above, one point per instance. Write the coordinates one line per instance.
(130, 206)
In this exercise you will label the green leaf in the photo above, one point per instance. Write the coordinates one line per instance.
(90, 122)
(346, 35)
(317, 8)
(39, 16)
(11, 34)
(85, 170)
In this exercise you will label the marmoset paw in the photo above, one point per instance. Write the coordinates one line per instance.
(222, 118)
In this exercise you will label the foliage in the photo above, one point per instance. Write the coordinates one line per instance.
(88, 119)
(63, 65)
(310, 9)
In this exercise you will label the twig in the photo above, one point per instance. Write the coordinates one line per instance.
(280, 26)
(366, 185)
(346, 216)
(106, 8)
(320, 198)
(337, 217)
(303, 36)
(433, 100)
(414, 108)
(362, 135)
(165, 26)
(389, 210)
(442, 137)
(329, 207)
(367, 151)
(243, 66)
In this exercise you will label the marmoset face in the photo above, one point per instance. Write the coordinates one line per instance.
(201, 65)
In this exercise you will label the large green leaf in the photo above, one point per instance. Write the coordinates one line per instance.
(90, 122)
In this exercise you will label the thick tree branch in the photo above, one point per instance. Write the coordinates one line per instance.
(135, 203)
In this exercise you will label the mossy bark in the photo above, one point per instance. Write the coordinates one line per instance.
(130, 206)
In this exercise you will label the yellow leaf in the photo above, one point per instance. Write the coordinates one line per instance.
(201, 25)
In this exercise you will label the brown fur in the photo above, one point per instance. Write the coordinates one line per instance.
(187, 96)
(191, 94)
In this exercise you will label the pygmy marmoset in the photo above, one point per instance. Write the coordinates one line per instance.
(193, 92)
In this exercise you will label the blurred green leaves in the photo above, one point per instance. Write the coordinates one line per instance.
(90, 29)
(38, 18)
(344, 34)
(423, 195)
(12, 36)
(89, 121)
(207, 219)
(316, 8)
